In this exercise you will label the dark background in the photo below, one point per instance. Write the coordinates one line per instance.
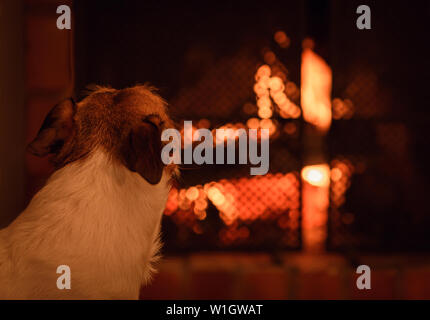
(173, 45)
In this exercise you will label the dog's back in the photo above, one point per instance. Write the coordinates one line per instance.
(100, 212)
(5, 266)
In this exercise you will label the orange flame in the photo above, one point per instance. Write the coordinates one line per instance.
(315, 90)
(315, 202)
(317, 175)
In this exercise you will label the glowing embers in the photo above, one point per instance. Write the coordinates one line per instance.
(230, 129)
(340, 175)
(342, 109)
(255, 123)
(272, 88)
(273, 199)
(249, 199)
(341, 172)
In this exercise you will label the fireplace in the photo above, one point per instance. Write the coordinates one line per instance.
(353, 163)
(345, 110)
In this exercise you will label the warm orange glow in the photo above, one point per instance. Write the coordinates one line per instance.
(317, 175)
(263, 72)
(265, 113)
(276, 84)
(272, 88)
(295, 113)
(315, 202)
(341, 173)
(336, 174)
(264, 102)
(216, 196)
(204, 123)
(253, 123)
(238, 200)
(316, 80)
(280, 98)
(342, 109)
(260, 89)
(192, 193)
(282, 39)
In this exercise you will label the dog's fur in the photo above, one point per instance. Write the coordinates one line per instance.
(100, 211)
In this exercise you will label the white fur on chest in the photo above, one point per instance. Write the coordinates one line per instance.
(95, 216)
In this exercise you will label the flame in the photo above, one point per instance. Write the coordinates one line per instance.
(192, 193)
(317, 175)
(315, 202)
(241, 199)
(316, 105)
(315, 90)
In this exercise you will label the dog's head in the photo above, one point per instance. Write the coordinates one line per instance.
(126, 124)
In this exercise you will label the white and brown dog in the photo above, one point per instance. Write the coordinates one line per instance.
(100, 212)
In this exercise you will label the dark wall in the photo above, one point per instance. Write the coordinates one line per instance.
(171, 43)
(11, 110)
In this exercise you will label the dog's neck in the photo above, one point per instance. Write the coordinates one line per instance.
(98, 181)
(94, 212)
(100, 190)
(100, 176)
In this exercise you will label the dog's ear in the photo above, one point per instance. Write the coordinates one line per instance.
(56, 129)
(142, 151)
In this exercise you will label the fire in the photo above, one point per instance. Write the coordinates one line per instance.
(240, 200)
(192, 193)
(315, 203)
(316, 105)
(315, 88)
(317, 175)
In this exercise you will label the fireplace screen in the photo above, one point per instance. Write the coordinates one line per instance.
(343, 174)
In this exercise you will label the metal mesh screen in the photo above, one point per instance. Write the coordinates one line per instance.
(223, 206)
(213, 74)
(377, 198)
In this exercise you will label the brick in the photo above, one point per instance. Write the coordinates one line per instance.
(228, 261)
(270, 283)
(319, 285)
(416, 283)
(216, 284)
(165, 285)
(384, 284)
(168, 282)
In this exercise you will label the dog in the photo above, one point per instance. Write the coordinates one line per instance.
(100, 211)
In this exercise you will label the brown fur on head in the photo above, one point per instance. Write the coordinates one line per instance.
(126, 124)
